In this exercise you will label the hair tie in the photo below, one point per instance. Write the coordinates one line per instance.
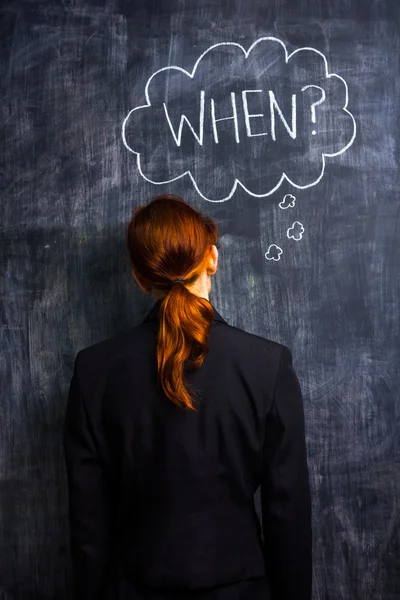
(178, 280)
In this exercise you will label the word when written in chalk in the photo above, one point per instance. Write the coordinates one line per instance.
(275, 113)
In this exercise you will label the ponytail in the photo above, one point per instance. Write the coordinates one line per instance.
(168, 243)
(184, 325)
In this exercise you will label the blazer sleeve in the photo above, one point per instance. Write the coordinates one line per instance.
(89, 503)
(285, 491)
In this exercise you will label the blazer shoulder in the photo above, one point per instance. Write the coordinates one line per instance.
(103, 353)
(253, 342)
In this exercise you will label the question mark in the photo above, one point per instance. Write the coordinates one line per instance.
(314, 104)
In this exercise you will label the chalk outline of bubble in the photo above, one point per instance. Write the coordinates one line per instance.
(283, 177)
(291, 237)
(290, 205)
(280, 252)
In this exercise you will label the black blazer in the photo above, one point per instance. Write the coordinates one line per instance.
(165, 496)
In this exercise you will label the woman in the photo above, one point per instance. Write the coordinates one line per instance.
(170, 428)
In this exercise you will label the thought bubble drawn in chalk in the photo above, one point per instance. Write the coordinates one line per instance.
(241, 118)
(288, 201)
(295, 232)
(273, 252)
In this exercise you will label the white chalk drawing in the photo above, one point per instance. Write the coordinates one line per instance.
(314, 104)
(295, 232)
(288, 201)
(274, 252)
(274, 110)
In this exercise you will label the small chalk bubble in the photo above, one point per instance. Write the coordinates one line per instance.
(314, 132)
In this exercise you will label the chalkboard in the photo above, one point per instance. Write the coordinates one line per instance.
(280, 120)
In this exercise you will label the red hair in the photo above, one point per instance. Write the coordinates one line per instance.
(169, 239)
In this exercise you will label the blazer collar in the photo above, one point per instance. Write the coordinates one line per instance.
(153, 314)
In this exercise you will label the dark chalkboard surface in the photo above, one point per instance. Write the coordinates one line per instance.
(280, 119)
